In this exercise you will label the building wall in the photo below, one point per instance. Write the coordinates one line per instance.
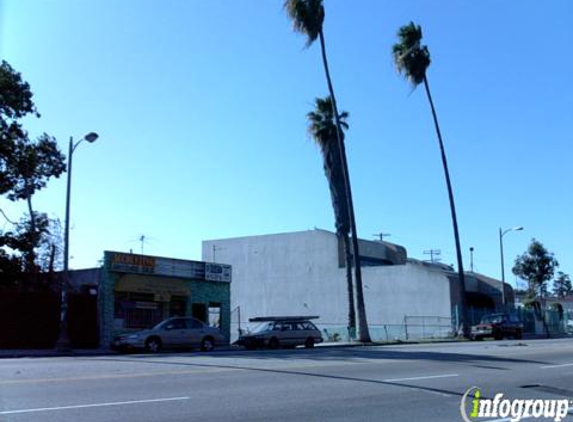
(298, 274)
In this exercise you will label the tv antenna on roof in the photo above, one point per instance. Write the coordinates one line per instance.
(143, 240)
(381, 236)
(434, 255)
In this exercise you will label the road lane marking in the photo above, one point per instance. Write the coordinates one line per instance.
(556, 366)
(429, 377)
(84, 406)
(569, 412)
(112, 376)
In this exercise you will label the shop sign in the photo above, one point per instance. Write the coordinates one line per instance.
(131, 263)
(218, 272)
(142, 264)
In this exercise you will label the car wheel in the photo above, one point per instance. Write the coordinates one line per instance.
(207, 344)
(309, 343)
(274, 343)
(153, 345)
(498, 336)
(518, 335)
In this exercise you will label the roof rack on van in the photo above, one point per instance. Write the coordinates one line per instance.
(283, 318)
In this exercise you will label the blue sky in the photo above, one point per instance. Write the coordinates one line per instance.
(200, 107)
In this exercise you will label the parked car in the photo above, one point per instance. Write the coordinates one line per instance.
(172, 333)
(275, 332)
(497, 326)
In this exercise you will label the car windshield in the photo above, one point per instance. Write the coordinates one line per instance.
(492, 319)
(162, 325)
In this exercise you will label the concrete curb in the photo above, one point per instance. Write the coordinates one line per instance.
(43, 353)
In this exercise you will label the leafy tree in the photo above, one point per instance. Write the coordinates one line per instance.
(25, 165)
(562, 285)
(412, 60)
(322, 128)
(15, 103)
(536, 266)
(307, 17)
(30, 166)
(25, 239)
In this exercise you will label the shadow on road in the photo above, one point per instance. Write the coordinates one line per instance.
(343, 355)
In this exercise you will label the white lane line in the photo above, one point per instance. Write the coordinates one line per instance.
(83, 406)
(569, 412)
(556, 366)
(421, 378)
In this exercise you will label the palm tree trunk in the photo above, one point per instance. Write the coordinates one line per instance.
(464, 319)
(349, 288)
(363, 333)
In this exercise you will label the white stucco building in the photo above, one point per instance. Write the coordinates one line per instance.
(303, 273)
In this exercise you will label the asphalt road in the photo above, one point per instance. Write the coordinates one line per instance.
(383, 383)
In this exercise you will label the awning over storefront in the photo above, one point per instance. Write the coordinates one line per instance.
(160, 286)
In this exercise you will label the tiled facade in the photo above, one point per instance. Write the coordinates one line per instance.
(197, 284)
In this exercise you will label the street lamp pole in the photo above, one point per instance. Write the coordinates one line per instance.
(63, 342)
(501, 234)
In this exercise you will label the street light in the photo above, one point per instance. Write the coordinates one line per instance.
(63, 342)
(501, 234)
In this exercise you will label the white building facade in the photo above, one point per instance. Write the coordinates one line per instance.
(302, 273)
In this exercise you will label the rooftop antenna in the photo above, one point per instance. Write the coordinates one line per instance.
(142, 239)
(381, 236)
(434, 255)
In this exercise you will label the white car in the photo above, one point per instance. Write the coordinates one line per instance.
(172, 333)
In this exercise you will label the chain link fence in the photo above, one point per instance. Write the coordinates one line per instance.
(413, 328)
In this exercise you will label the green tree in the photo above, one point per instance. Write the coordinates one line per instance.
(15, 103)
(536, 266)
(25, 165)
(322, 128)
(307, 17)
(412, 60)
(562, 285)
(24, 239)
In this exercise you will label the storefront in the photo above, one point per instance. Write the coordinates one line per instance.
(138, 291)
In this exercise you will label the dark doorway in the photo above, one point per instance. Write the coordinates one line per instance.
(199, 311)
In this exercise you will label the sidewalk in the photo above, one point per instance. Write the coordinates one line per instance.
(40, 353)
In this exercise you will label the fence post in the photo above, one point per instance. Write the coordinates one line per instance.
(406, 326)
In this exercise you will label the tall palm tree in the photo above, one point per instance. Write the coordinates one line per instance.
(322, 128)
(412, 60)
(308, 18)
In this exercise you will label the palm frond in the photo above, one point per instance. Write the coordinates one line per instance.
(307, 17)
(322, 125)
(410, 57)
